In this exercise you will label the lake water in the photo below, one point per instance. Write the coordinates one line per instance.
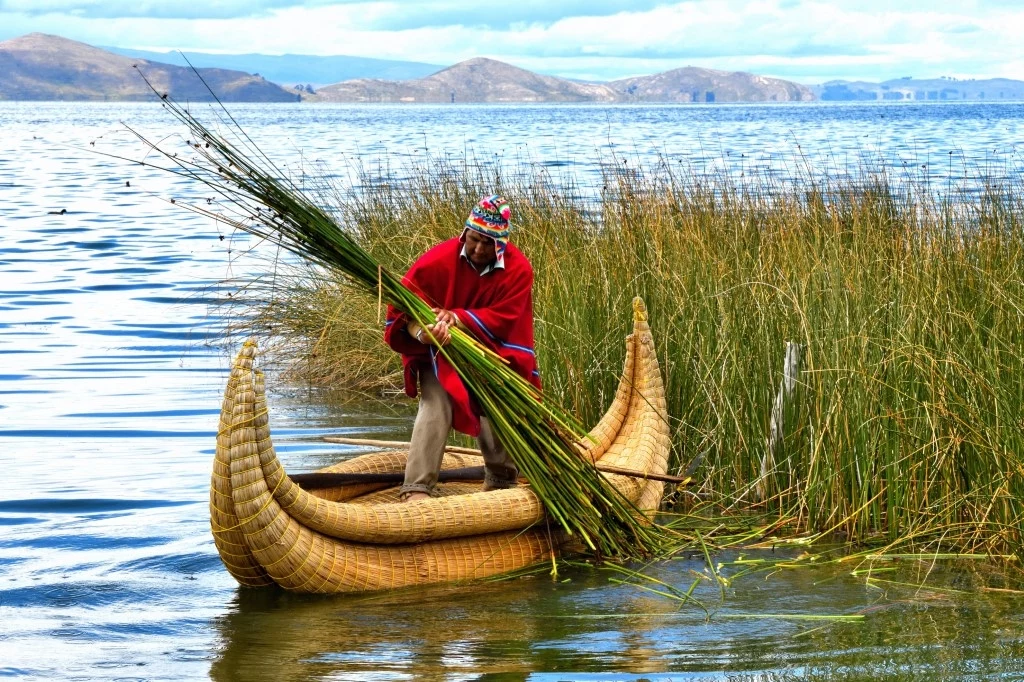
(110, 383)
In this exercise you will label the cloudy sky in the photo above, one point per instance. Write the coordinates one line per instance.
(808, 41)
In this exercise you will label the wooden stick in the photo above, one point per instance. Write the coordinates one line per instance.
(668, 478)
(394, 444)
(401, 445)
(776, 429)
(315, 480)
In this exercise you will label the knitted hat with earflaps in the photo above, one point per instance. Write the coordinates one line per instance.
(491, 217)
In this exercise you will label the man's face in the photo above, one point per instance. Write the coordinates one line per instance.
(479, 249)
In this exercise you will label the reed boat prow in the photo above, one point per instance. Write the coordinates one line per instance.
(270, 531)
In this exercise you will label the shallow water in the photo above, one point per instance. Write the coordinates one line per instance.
(110, 385)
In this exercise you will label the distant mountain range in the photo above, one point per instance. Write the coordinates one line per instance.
(920, 89)
(44, 67)
(692, 84)
(488, 80)
(474, 80)
(293, 69)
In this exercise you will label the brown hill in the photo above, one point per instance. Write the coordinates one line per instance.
(474, 80)
(44, 67)
(692, 84)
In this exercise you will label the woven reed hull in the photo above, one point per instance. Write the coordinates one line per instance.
(269, 531)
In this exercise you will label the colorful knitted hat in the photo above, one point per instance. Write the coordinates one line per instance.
(491, 218)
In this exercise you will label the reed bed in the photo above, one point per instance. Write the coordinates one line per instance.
(905, 423)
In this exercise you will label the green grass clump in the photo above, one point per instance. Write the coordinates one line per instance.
(906, 423)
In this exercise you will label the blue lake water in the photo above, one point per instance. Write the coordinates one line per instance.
(111, 374)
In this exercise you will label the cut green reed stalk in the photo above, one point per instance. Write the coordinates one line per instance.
(644, 581)
(542, 438)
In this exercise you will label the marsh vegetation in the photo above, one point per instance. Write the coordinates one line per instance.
(905, 306)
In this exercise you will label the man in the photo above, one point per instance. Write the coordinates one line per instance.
(481, 283)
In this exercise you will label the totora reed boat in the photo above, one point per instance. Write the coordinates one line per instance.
(358, 537)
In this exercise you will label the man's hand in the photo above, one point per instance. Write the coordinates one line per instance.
(446, 316)
(440, 331)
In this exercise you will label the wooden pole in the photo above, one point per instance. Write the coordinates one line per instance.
(776, 428)
(402, 445)
(393, 444)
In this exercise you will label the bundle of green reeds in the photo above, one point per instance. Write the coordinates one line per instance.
(543, 439)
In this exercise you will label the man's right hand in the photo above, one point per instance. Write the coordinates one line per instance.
(441, 332)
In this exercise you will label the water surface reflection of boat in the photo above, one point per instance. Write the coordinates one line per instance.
(510, 628)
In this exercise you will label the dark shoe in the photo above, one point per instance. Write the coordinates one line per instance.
(495, 484)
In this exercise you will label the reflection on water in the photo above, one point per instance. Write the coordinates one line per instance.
(535, 628)
(110, 383)
(519, 626)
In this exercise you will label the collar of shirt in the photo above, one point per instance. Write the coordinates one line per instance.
(498, 264)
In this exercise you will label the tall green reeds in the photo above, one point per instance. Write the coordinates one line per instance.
(906, 423)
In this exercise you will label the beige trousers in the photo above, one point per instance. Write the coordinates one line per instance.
(430, 434)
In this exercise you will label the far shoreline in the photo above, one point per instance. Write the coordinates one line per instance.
(526, 104)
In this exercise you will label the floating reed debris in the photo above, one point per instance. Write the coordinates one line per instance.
(255, 196)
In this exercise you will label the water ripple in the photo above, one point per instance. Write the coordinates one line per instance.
(57, 505)
(154, 334)
(83, 542)
(154, 413)
(128, 287)
(101, 433)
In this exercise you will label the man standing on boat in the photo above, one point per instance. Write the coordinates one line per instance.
(481, 283)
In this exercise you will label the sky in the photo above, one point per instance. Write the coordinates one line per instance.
(808, 41)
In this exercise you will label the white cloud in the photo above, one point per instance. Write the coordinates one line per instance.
(808, 40)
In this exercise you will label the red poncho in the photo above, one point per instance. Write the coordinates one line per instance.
(496, 307)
